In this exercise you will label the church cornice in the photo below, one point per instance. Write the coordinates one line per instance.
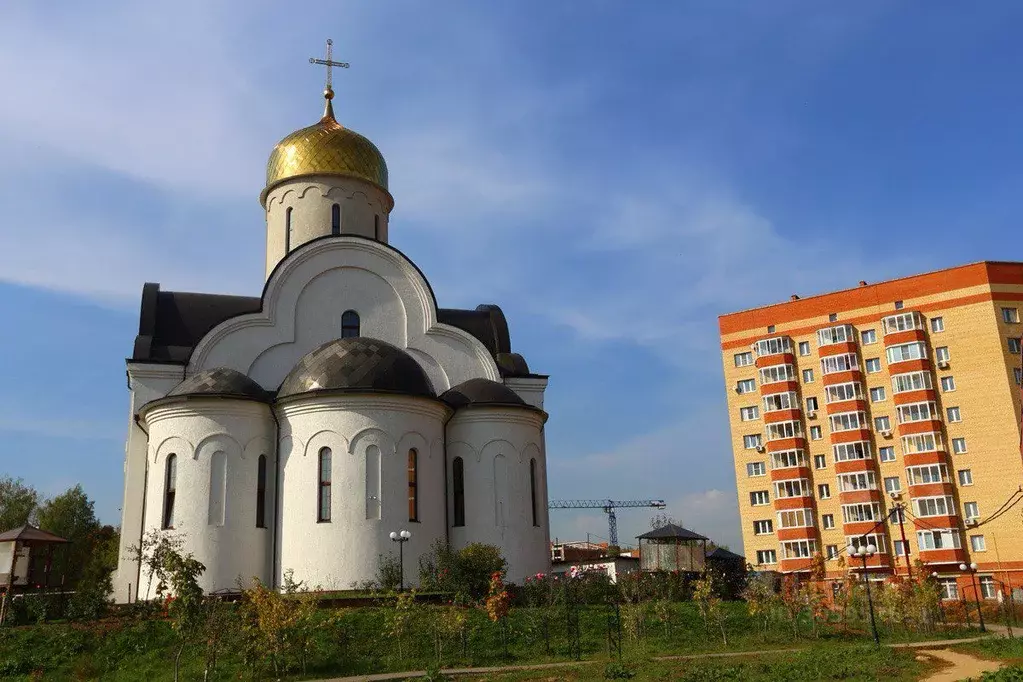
(203, 406)
(522, 416)
(315, 403)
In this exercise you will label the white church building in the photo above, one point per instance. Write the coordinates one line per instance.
(298, 429)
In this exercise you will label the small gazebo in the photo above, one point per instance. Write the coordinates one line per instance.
(672, 548)
(21, 551)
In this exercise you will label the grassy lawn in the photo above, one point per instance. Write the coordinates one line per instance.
(360, 640)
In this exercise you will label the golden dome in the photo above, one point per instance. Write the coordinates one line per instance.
(326, 148)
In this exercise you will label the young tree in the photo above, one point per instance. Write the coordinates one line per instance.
(709, 604)
(760, 601)
(186, 607)
(17, 503)
(72, 516)
(498, 604)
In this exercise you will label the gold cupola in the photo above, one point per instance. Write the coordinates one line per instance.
(325, 148)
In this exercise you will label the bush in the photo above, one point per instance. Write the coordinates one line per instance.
(92, 598)
(465, 572)
(389, 572)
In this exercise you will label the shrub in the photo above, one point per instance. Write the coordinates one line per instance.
(389, 572)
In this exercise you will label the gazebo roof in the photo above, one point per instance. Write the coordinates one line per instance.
(29, 533)
(724, 555)
(671, 532)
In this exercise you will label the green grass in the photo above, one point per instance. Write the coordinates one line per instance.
(362, 643)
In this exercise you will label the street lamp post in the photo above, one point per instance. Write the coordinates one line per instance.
(864, 552)
(401, 537)
(972, 569)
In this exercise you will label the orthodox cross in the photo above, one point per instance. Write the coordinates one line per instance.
(328, 62)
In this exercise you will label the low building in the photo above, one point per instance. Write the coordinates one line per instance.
(613, 567)
(672, 548)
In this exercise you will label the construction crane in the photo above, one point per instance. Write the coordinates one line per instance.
(609, 507)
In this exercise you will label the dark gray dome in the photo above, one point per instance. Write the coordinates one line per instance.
(357, 365)
(219, 381)
(481, 392)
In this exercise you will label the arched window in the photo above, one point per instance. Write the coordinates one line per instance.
(323, 496)
(458, 488)
(261, 492)
(170, 484)
(287, 231)
(413, 485)
(335, 219)
(376, 227)
(218, 489)
(532, 490)
(350, 325)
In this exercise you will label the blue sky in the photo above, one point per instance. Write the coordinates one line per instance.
(614, 175)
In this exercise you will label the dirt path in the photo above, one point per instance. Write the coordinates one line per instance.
(964, 666)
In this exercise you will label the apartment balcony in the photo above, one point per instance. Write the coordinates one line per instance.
(922, 426)
(842, 377)
(797, 534)
(932, 522)
(794, 565)
(787, 415)
(923, 395)
(783, 358)
(852, 466)
(795, 443)
(877, 561)
(907, 336)
(854, 405)
(932, 457)
(862, 527)
(854, 496)
(942, 556)
(790, 385)
(840, 348)
(904, 366)
(789, 473)
(789, 503)
(850, 436)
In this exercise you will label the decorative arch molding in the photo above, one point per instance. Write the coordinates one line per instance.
(260, 445)
(239, 341)
(508, 450)
(335, 186)
(176, 444)
(415, 440)
(454, 445)
(218, 442)
(531, 451)
(372, 435)
(325, 438)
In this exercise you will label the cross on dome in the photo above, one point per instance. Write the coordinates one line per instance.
(328, 91)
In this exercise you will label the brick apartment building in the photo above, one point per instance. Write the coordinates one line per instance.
(847, 407)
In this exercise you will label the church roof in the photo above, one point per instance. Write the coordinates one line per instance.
(171, 323)
(219, 381)
(481, 392)
(357, 365)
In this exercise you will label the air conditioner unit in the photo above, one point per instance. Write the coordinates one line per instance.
(943, 364)
(895, 495)
(738, 390)
(812, 414)
(760, 448)
(886, 433)
(972, 521)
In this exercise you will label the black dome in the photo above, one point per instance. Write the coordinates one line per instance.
(357, 365)
(481, 392)
(219, 381)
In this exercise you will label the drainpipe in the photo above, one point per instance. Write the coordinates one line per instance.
(277, 497)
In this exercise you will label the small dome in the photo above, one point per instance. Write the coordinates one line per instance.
(357, 365)
(482, 392)
(326, 148)
(219, 381)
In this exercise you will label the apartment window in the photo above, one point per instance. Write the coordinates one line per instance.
(934, 506)
(937, 324)
(948, 384)
(953, 414)
(781, 401)
(839, 363)
(898, 305)
(804, 347)
(941, 538)
(900, 548)
(958, 445)
(886, 453)
(916, 412)
(787, 459)
(832, 317)
(977, 543)
(949, 588)
(766, 556)
(532, 492)
(828, 520)
(1010, 315)
(877, 539)
(965, 477)
(756, 469)
(971, 510)
(780, 344)
(873, 365)
(840, 334)
(770, 329)
(323, 489)
(927, 473)
(846, 421)
(815, 433)
(746, 386)
(749, 413)
(751, 441)
(906, 351)
(858, 513)
(807, 376)
(780, 430)
(832, 551)
(863, 480)
(820, 462)
(799, 487)
(1014, 345)
(877, 394)
(762, 528)
(1017, 374)
(987, 583)
(845, 452)
(883, 423)
(824, 491)
(261, 492)
(776, 373)
(911, 381)
(795, 518)
(892, 484)
(941, 354)
(902, 322)
(798, 549)
(413, 485)
(743, 359)
(759, 498)
(350, 324)
(170, 486)
(868, 336)
(837, 393)
(458, 490)
(811, 404)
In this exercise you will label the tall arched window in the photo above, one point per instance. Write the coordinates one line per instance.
(376, 227)
(170, 484)
(413, 485)
(532, 490)
(218, 489)
(335, 219)
(261, 492)
(350, 324)
(287, 231)
(323, 496)
(458, 488)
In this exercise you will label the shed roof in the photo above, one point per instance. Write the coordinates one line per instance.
(29, 533)
(670, 531)
(724, 555)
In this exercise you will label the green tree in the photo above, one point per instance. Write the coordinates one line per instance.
(17, 502)
(71, 516)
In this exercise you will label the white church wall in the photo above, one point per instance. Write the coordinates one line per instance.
(364, 211)
(214, 512)
(146, 382)
(345, 551)
(304, 302)
(496, 446)
(530, 389)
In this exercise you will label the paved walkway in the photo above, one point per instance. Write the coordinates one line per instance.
(967, 665)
